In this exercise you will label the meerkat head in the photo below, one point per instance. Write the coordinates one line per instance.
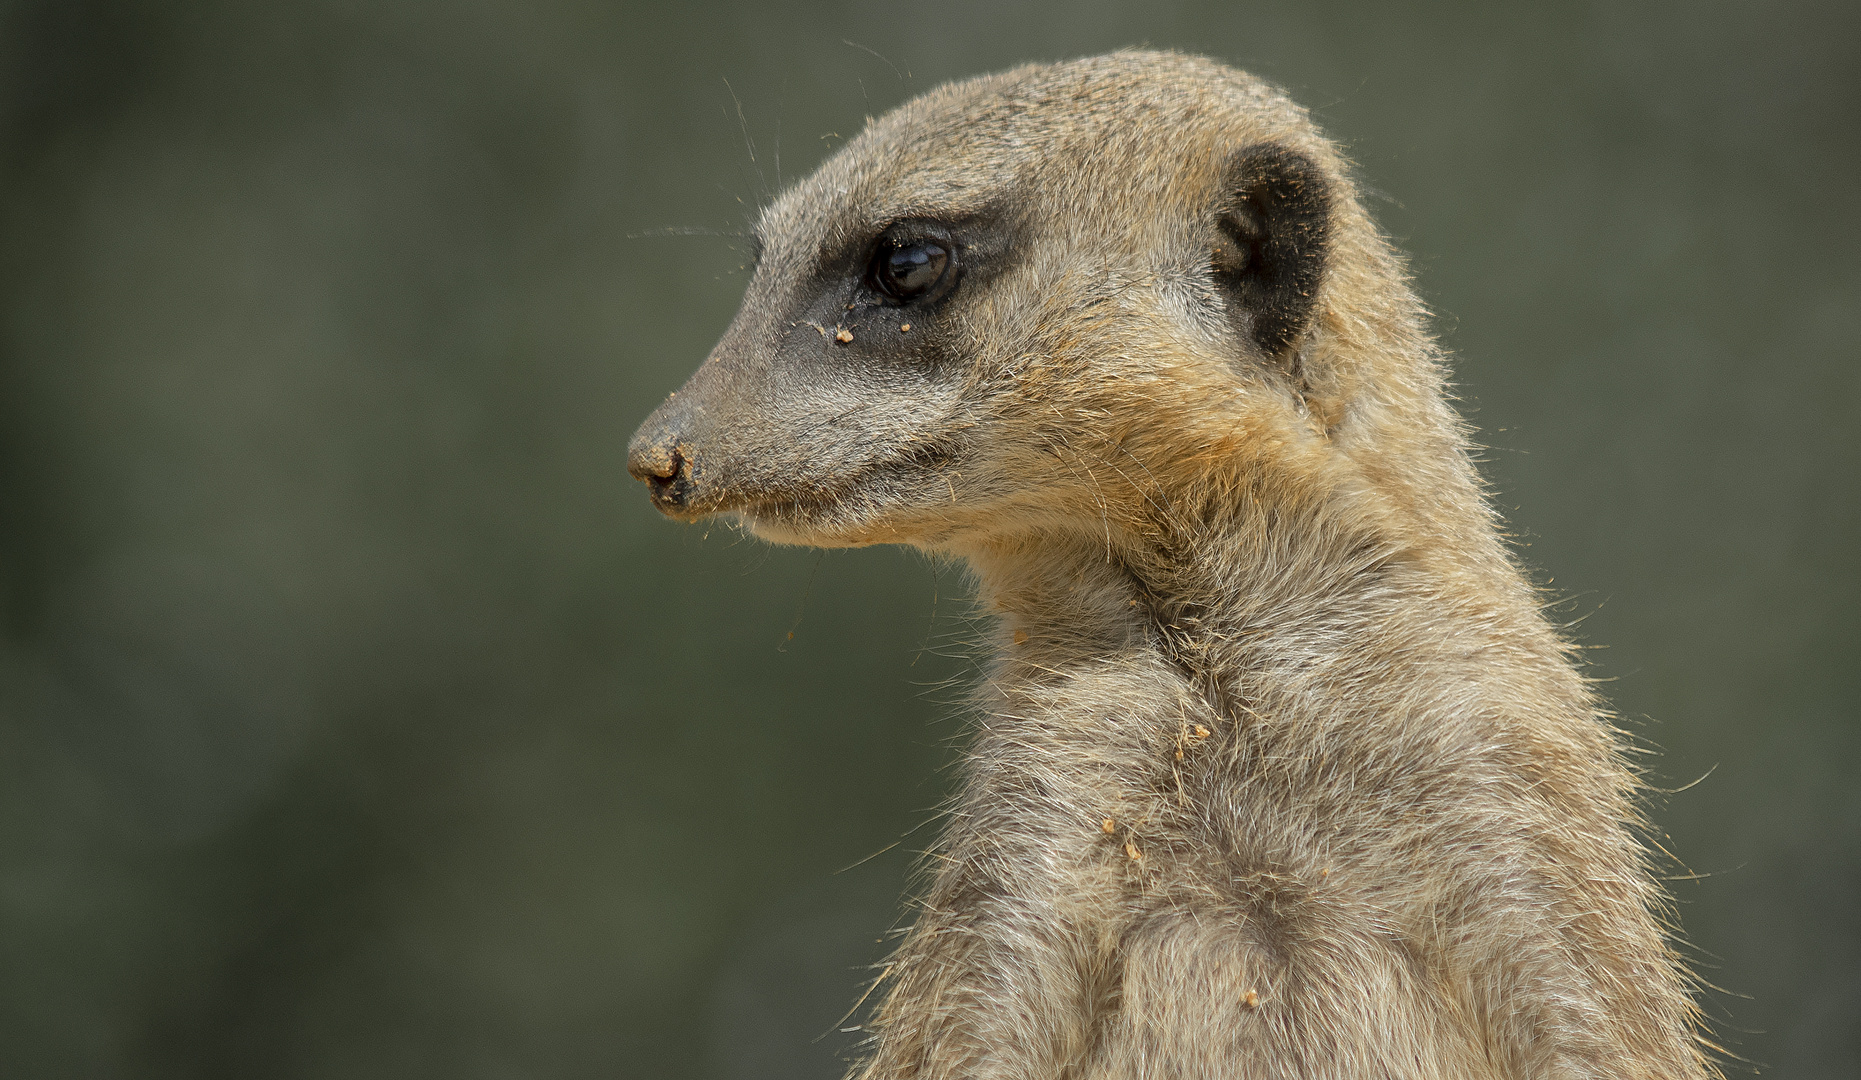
(1046, 299)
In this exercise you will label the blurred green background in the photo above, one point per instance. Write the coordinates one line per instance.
(358, 717)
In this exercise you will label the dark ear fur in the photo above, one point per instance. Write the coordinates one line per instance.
(1273, 231)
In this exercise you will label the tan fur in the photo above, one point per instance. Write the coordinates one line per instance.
(1279, 771)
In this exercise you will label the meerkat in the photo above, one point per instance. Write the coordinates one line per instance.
(1278, 769)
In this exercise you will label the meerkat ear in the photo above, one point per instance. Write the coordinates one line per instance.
(1273, 230)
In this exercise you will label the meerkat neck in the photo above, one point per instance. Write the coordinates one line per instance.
(1226, 589)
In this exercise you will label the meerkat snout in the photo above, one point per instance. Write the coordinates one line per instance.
(655, 459)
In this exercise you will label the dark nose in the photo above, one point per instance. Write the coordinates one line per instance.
(656, 458)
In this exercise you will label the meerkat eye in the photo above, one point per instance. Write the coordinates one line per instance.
(910, 270)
